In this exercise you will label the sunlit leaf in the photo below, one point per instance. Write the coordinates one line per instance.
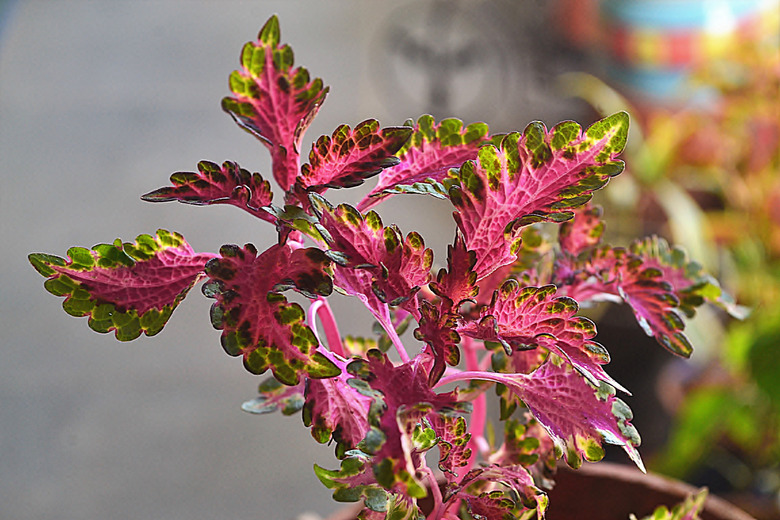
(427, 157)
(128, 288)
(274, 101)
(577, 415)
(377, 262)
(349, 156)
(538, 176)
(212, 184)
(523, 318)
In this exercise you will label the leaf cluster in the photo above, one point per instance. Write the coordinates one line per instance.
(503, 313)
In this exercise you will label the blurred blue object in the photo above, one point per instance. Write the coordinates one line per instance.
(652, 46)
(6, 11)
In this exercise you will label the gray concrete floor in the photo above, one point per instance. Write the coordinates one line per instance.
(99, 103)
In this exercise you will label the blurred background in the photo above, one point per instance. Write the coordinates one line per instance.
(101, 101)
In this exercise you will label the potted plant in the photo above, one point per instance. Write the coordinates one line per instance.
(502, 313)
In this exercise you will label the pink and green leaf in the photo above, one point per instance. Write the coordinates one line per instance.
(658, 281)
(454, 450)
(403, 399)
(614, 273)
(493, 505)
(427, 157)
(354, 481)
(576, 414)
(654, 304)
(399, 507)
(519, 362)
(523, 318)
(583, 232)
(438, 331)
(212, 184)
(349, 156)
(458, 282)
(528, 444)
(376, 260)
(538, 176)
(274, 101)
(692, 285)
(334, 409)
(128, 288)
(257, 321)
(508, 492)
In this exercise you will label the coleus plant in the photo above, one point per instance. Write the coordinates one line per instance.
(503, 313)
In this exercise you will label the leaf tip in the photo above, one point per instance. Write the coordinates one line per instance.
(270, 34)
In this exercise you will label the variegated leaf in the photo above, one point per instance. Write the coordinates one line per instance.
(212, 184)
(403, 399)
(583, 232)
(257, 321)
(614, 274)
(349, 156)
(692, 284)
(274, 396)
(354, 481)
(576, 414)
(438, 331)
(458, 282)
(274, 101)
(453, 442)
(375, 261)
(522, 318)
(528, 444)
(334, 409)
(533, 177)
(130, 288)
(432, 150)
(505, 492)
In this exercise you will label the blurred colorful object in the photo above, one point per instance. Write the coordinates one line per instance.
(709, 176)
(653, 45)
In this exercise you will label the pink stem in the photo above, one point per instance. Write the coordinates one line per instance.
(452, 370)
(485, 363)
(321, 309)
(468, 375)
(311, 318)
(472, 362)
(448, 515)
(479, 414)
(436, 512)
(397, 342)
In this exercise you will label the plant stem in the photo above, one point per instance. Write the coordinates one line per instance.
(468, 375)
(436, 512)
(390, 329)
(479, 414)
(322, 309)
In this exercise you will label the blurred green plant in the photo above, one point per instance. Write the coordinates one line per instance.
(707, 175)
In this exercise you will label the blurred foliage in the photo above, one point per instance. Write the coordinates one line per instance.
(708, 174)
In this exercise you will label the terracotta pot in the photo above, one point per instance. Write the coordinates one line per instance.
(608, 491)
